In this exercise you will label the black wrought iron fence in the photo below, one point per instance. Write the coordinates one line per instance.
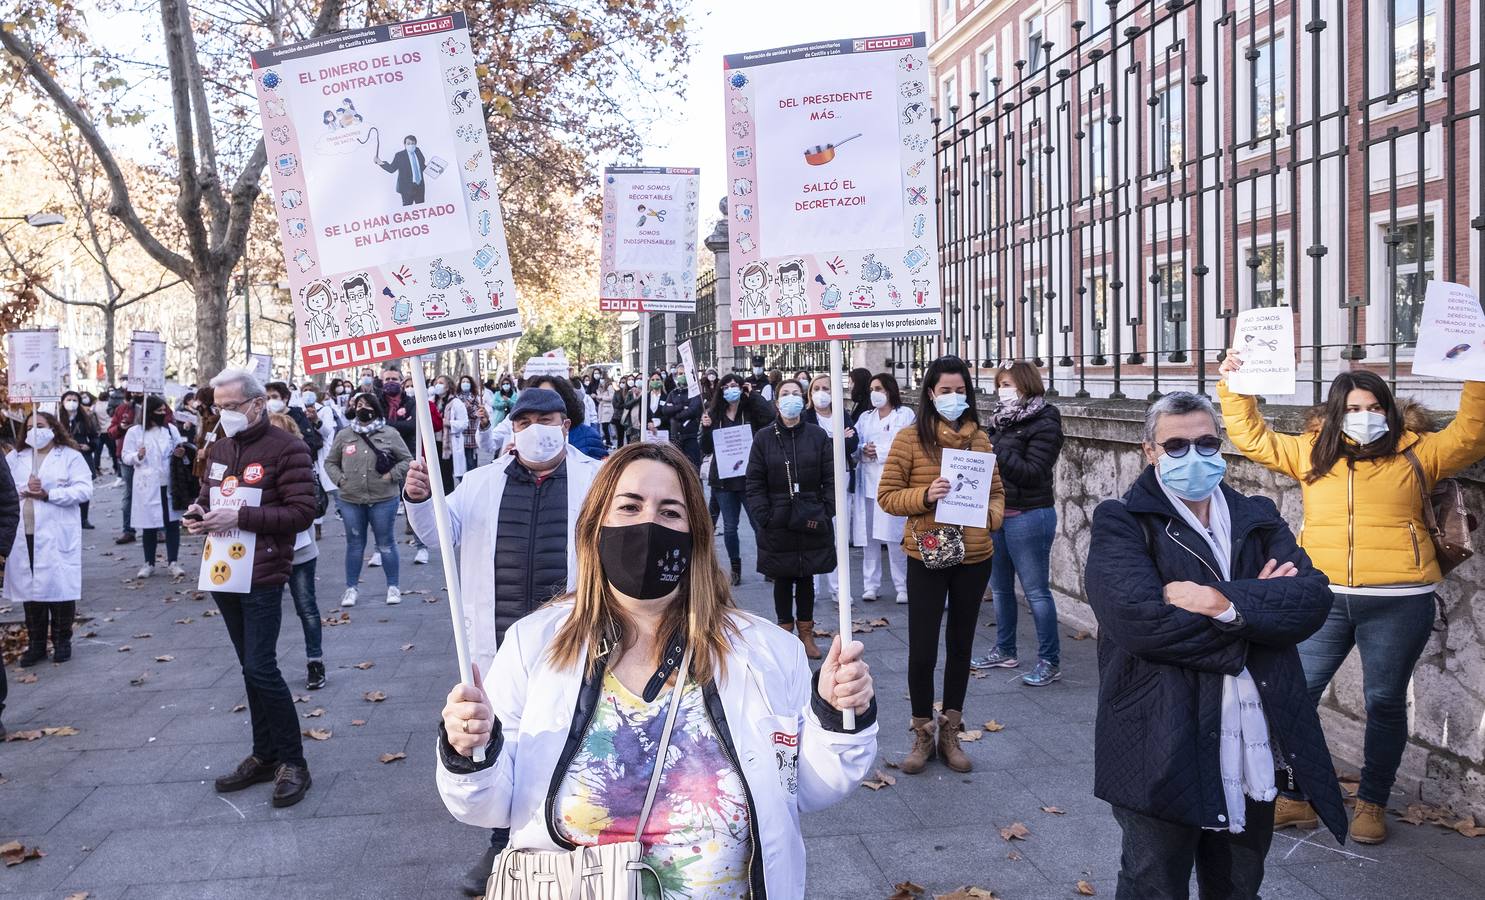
(1106, 213)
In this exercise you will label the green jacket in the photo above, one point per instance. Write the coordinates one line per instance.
(351, 465)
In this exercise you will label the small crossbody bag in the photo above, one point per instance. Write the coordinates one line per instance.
(605, 872)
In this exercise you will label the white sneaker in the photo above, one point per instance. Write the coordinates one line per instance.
(421, 557)
(869, 597)
(145, 571)
(176, 571)
(376, 560)
(902, 598)
(348, 598)
(394, 596)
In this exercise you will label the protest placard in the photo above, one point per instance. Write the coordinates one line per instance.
(385, 193)
(688, 366)
(227, 557)
(261, 365)
(1451, 334)
(731, 447)
(31, 361)
(553, 362)
(830, 191)
(146, 363)
(648, 256)
(1264, 340)
(968, 501)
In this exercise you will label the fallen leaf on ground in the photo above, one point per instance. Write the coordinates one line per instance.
(430, 599)
(34, 734)
(186, 621)
(315, 713)
(1467, 827)
(142, 635)
(1013, 856)
(993, 725)
(13, 854)
(125, 649)
(1015, 832)
(341, 618)
(1079, 635)
(318, 734)
(363, 665)
(967, 893)
(60, 731)
(1084, 888)
(209, 613)
(1053, 811)
(392, 757)
(879, 780)
(972, 734)
(239, 707)
(28, 678)
(139, 679)
(375, 696)
(164, 659)
(907, 891)
(892, 764)
(406, 647)
(80, 895)
(358, 722)
(300, 698)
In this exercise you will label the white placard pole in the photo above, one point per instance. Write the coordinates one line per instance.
(842, 508)
(429, 445)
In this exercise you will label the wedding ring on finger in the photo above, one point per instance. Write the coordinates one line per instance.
(464, 724)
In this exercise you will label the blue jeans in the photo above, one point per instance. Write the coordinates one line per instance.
(302, 588)
(253, 621)
(1023, 549)
(732, 507)
(382, 517)
(1391, 633)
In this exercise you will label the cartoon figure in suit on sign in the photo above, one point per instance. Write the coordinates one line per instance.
(410, 167)
(362, 320)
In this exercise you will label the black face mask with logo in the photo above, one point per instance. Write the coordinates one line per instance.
(644, 561)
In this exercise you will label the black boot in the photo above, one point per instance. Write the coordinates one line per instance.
(316, 677)
(62, 618)
(36, 618)
(736, 572)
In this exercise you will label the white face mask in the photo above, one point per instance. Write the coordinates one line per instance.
(822, 399)
(309, 398)
(276, 406)
(40, 438)
(437, 390)
(232, 421)
(537, 443)
(1008, 394)
(878, 399)
(69, 405)
(1364, 427)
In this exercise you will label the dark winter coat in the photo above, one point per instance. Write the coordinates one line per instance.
(753, 411)
(264, 456)
(852, 442)
(402, 416)
(1161, 667)
(10, 509)
(1026, 455)
(530, 543)
(782, 552)
(681, 414)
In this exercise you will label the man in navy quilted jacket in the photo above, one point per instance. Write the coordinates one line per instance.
(1201, 595)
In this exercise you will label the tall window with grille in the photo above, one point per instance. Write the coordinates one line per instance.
(1267, 267)
(1098, 319)
(1170, 305)
(1096, 161)
(1167, 136)
(948, 95)
(1268, 89)
(1036, 38)
(1096, 13)
(988, 71)
(1412, 37)
(1411, 266)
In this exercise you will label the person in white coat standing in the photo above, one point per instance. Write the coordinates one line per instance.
(148, 447)
(877, 428)
(44, 567)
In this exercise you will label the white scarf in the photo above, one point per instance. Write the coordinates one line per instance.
(371, 427)
(1247, 760)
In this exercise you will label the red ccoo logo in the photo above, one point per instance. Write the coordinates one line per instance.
(884, 43)
(427, 26)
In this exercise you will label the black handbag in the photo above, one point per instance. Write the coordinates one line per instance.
(807, 513)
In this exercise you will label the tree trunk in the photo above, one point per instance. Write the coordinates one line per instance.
(110, 342)
(211, 324)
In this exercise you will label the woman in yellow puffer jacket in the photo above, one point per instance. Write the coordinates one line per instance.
(1363, 526)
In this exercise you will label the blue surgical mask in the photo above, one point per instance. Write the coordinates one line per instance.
(732, 393)
(1364, 427)
(791, 405)
(951, 406)
(1193, 476)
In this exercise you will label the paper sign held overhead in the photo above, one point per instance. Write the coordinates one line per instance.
(1264, 340)
(830, 191)
(688, 366)
(261, 365)
(1451, 335)
(31, 358)
(648, 256)
(146, 363)
(385, 193)
(553, 362)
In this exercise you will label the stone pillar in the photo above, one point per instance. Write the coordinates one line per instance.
(871, 356)
(717, 242)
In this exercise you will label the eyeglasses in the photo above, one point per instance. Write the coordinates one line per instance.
(235, 407)
(1207, 445)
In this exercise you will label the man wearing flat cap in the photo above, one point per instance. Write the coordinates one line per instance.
(512, 523)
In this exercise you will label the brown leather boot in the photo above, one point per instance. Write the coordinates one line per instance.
(1298, 813)
(922, 751)
(807, 635)
(787, 626)
(948, 742)
(1369, 824)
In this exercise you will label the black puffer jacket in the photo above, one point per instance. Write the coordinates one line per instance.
(784, 553)
(753, 411)
(530, 543)
(1160, 667)
(681, 414)
(1026, 454)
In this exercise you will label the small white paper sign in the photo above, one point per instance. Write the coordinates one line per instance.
(1451, 335)
(261, 365)
(227, 558)
(688, 365)
(658, 436)
(968, 501)
(731, 446)
(146, 363)
(1265, 342)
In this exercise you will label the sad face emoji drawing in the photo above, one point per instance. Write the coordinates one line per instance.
(236, 550)
(206, 552)
(220, 572)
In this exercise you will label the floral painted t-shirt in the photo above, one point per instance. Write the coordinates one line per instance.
(697, 838)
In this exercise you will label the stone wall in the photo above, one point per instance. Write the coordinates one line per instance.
(1445, 762)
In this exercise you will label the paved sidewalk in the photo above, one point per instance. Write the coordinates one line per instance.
(125, 807)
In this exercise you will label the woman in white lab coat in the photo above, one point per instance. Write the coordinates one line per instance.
(149, 446)
(44, 568)
(877, 427)
(326, 417)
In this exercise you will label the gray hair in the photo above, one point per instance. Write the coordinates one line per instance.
(252, 388)
(1178, 403)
